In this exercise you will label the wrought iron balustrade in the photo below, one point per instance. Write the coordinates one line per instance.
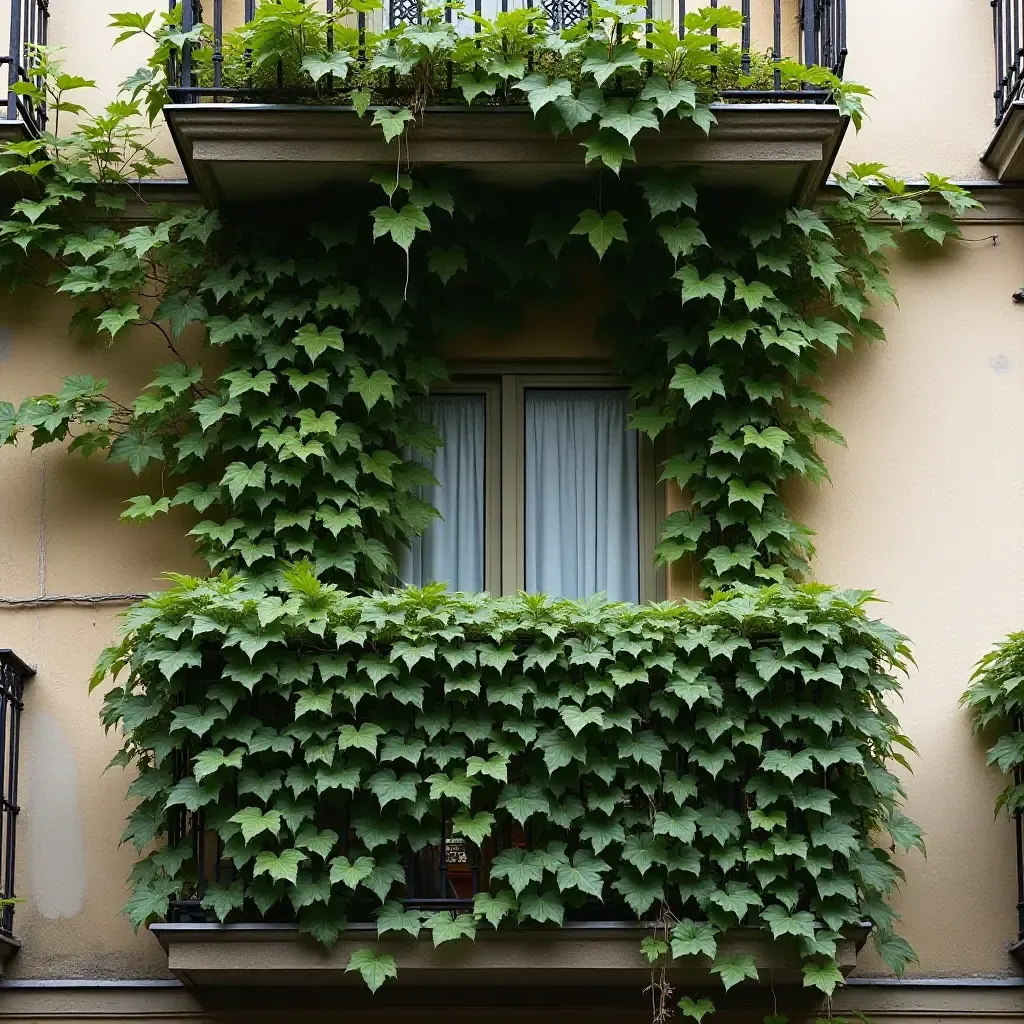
(28, 28)
(1018, 828)
(13, 675)
(443, 874)
(1008, 42)
(811, 31)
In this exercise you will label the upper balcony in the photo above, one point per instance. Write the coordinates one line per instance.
(249, 132)
(1005, 154)
(25, 25)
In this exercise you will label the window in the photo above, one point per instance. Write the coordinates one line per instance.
(541, 487)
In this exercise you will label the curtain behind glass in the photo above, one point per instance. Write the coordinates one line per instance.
(582, 519)
(452, 548)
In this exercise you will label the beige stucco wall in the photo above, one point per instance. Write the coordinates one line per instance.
(925, 507)
(930, 65)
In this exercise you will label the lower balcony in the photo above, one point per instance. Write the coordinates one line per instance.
(603, 954)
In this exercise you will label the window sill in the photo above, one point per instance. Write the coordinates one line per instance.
(597, 954)
(238, 152)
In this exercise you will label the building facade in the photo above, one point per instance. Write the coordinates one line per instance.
(923, 506)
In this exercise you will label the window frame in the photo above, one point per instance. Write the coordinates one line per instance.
(504, 386)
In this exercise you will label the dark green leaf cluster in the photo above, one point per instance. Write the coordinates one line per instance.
(716, 764)
(996, 701)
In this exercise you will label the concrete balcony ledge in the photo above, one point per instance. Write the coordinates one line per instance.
(592, 954)
(244, 152)
(1005, 154)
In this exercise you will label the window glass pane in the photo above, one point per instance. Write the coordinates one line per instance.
(452, 548)
(582, 516)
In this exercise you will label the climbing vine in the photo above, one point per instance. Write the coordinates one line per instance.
(707, 764)
(996, 701)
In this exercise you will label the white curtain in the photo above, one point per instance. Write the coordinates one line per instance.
(582, 519)
(452, 548)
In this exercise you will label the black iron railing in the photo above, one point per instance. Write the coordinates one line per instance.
(1018, 827)
(444, 874)
(28, 27)
(13, 674)
(1008, 40)
(812, 31)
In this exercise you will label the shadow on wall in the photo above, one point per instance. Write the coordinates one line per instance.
(51, 848)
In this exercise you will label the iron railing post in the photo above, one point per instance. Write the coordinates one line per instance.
(14, 69)
(187, 24)
(1018, 822)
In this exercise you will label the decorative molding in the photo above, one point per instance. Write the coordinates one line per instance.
(882, 1000)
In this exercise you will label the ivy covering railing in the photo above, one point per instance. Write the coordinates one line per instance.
(698, 765)
(996, 700)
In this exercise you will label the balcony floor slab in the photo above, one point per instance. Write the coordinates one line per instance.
(239, 152)
(598, 954)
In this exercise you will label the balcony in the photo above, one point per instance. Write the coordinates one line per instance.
(263, 137)
(598, 944)
(1005, 154)
(13, 675)
(26, 27)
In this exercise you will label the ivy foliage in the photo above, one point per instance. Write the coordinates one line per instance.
(703, 764)
(323, 329)
(996, 701)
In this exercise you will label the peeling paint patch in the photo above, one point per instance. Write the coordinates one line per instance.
(54, 853)
(6, 344)
(1001, 366)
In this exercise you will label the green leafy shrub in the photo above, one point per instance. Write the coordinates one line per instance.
(996, 700)
(513, 58)
(703, 764)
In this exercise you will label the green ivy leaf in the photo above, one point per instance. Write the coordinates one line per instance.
(698, 386)
(447, 927)
(475, 827)
(401, 225)
(610, 148)
(392, 123)
(601, 231)
(734, 969)
(628, 117)
(494, 908)
(374, 968)
(372, 388)
(822, 976)
(698, 1009)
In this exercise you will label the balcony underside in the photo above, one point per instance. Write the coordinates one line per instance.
(1005, 154)
(247, 152)
(606, 955)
